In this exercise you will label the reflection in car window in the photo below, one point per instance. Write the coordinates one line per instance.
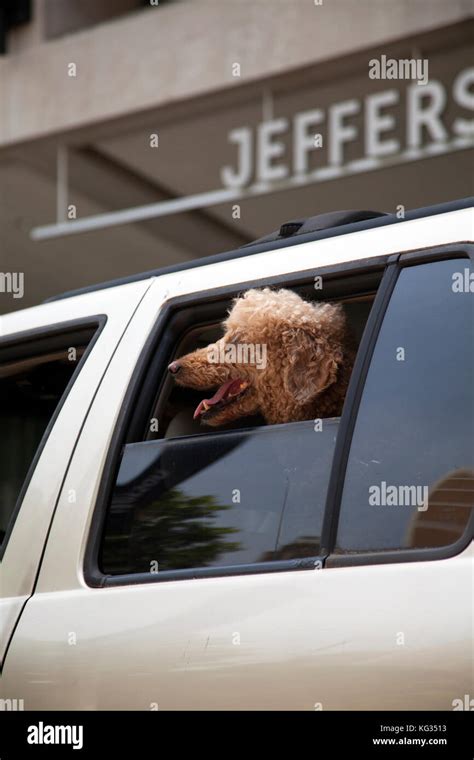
(31, 388)
(410, 474)
(221, 499)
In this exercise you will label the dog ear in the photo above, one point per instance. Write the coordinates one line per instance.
(311, 364)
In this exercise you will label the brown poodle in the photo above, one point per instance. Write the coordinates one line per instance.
(280, 356)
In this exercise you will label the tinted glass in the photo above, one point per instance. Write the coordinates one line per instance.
(409, 480)
(219, 499)
(31, 388)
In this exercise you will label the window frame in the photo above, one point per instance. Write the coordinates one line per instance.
(166, 331)
(157, 348)
(46, 337)
(349, 419)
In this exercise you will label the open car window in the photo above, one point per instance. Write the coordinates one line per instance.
(174, 406)
(242, 497)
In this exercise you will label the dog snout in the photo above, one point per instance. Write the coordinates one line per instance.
(174, 367)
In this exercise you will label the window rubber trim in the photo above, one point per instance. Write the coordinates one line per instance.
(31, 336)
(349, 418)
(225, 571)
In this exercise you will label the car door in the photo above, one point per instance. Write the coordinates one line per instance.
(400, 538)
(76, 339)
(320, 636)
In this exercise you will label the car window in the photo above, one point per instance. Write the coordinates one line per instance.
(409, 479)
(32, 385)
(221, 499)
(194, 497)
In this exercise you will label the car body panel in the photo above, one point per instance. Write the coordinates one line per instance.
(23, 552)
(345, 638)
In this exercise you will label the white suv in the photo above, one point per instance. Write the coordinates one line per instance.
(151, 564)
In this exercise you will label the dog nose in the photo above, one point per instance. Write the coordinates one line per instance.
(174, 367)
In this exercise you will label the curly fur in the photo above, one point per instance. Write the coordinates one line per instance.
(308, 363)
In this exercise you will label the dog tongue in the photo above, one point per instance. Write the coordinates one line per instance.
(218, 396)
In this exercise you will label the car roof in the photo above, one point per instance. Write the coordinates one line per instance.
(290, 233)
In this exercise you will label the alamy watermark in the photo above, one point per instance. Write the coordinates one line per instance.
(238, 353)
(463, 282)
(384, 495)
(415, 69)
(48, 734)
(12, 282)
(11, 705)
(464, 703)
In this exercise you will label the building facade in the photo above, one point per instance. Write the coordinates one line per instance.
(138, 134)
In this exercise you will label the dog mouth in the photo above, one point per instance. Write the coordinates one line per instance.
(226, 394)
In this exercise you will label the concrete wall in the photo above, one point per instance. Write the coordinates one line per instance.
(166, 54)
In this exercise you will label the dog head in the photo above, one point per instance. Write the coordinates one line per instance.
(277, 354)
